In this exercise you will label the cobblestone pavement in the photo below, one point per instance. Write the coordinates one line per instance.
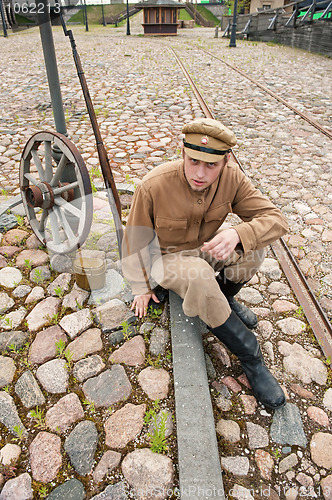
(78, 387)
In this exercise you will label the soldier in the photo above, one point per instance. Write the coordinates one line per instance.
(173, 238)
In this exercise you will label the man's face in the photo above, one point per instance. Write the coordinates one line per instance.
(201, 174)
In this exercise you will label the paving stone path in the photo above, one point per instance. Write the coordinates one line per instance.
(78, 388)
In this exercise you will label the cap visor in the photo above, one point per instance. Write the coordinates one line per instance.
(199, 155)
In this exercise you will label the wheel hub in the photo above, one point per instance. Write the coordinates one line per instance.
(40, 196)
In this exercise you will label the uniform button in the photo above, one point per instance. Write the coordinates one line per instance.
(196, 222)
(199, 201)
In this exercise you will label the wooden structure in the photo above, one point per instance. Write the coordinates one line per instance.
(307, 28)
(160, 17)
(8, 15)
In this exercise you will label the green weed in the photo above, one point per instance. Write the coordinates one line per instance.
(59, 291)
(299, 313)
(155, 363)
(20, 220)
(69, 357)
(54, 320)
(43, 491)
(276, 453)
(60, 346)
(90, 406)
(9, 323)
(154, 313)
(28, 263)
(38, 276)
(19, 432)
(125, 330)
(38, 415)
(157, 435)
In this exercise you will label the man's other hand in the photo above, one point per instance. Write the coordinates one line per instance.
(222, 244)
(140, 303)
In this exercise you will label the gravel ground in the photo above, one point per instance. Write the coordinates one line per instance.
(141, 100)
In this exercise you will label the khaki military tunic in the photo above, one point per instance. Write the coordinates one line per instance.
(167, 216)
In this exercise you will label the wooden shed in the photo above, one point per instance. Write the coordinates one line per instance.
(160, 17)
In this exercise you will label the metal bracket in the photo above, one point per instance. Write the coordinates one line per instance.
(273, 23)
(311, 11)
(247, 27)
(326, 11)
(292, 18)
(227, 30)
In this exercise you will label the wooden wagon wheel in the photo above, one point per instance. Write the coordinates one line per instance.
(56, 194)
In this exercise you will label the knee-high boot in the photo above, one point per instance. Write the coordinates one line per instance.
(243, 343)
(229, 289)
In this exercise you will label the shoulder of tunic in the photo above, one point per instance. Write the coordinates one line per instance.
(169, 169)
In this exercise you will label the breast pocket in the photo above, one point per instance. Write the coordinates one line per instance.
(171, 231)
(214, 218)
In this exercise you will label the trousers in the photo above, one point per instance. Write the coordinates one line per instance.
(191, 274)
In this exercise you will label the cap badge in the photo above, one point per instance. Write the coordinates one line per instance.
(204, 140)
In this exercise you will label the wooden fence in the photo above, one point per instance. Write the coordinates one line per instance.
(291, 28)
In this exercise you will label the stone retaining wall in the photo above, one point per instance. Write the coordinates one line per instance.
(313, 37)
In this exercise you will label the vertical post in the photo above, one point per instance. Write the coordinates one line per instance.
(232, 42)
(313, 11)
(86, 17)
(103, 13)
(46, 35)
(83, 12)
(295, 15)
(128, 25)
(3, 19)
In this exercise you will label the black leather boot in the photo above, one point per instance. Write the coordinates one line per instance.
(229, 289)
(243, 343)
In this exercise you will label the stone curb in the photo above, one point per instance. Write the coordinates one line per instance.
(198, 457)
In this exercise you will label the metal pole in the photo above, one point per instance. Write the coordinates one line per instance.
(46, 35)
(83, 12)
(128, 25)
(3, 19)
(102, 13)
(232, 42)
(86, 17)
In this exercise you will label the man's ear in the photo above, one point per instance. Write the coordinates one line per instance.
(182, 149)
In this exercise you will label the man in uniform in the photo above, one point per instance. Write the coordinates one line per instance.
(173, 238)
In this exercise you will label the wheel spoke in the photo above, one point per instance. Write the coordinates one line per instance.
(68, 230)
(62, 163)
(43, 218)
(38, 164)
(31, 178)
(67, 206)
(54, 223)
(63, 189)
(48, 161)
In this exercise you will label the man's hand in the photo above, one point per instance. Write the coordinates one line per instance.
(222, 244)
(140, 303)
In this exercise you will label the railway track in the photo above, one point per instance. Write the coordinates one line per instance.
(297, 111)
(315, 315)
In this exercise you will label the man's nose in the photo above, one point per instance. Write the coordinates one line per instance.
(200, 172)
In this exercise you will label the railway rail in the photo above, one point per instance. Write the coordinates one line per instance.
(316, 317)
(305, 116)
